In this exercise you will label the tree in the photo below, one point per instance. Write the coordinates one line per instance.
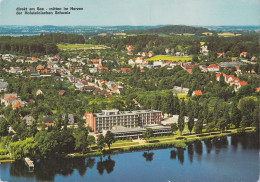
(181, 117)
(245, 91)
(91, 140)
(235, 116)
(3, 127)
(198, 126)
(174, 127)
(148, 133)
(109, 138)
(100, 142)
(181, 123)
(81, 142)
(191, 121)
(222, 124)
(226, 116)
(256, 119)
(195, 59)
(210, 127)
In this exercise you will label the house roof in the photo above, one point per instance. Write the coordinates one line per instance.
(38, 92)
(125, 69)
(213, 66)
(47, 119)
(220, 53)
(86, 113)
(197, 92)
(61, 92)
(40, 67)
(17, 105)
(28, 117)
(243, 83)
(34, 58)
(11, 97)
(95, 60)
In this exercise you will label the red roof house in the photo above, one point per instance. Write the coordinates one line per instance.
(197, 92)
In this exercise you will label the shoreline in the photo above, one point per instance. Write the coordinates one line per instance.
(179, 142)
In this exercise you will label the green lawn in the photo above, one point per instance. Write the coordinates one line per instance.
(79, 46)
(170, 58)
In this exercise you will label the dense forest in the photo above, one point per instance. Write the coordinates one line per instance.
(172, 29)
(36, 45)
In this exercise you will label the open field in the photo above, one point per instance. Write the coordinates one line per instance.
(170, 58)
(80, 46)
(227, 34)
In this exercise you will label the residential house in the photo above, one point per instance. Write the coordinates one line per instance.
(204, 50)
(79, 85)
(197, 92)
(96, 62)
(39, 68)
(30, 69)
(15, 70)
(243, 54)
(39, 92)
(3, 86)
(220, 54)
(28, 119)
(180, 90)
(20, 60)
(17, 105)
(188, 67)
(129, 47)
(48, 121)
(253, 59)
(229, 65)
(5, 99)
(213, 68)
(124, 70)
(93, 70)
(70, 118)
(89, 88)
(61, 92)
(150, 54)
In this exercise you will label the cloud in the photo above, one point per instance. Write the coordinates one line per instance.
(1, 1)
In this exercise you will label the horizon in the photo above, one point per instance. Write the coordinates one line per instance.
(135, 13)
(137, 25)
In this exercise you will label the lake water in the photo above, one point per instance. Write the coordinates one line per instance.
(228, 159)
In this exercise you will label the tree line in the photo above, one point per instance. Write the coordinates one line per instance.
(37, 45)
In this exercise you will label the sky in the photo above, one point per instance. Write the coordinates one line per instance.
(135, 12)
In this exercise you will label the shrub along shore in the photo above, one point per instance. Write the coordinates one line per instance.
(177, 142)
(153, 143)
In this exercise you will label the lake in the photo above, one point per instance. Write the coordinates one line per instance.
(233, 158)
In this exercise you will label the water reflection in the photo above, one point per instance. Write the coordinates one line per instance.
(173, 154)
(46, 170)
(208, 145)
(246, 141)
(107, 165)
(190, 152)
(180, 155)
(148, 156)
(220, 143)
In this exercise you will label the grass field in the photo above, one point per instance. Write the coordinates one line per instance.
(227, 34)
(80, 46)
(170, 58)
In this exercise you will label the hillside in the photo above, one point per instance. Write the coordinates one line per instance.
(175, 29)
